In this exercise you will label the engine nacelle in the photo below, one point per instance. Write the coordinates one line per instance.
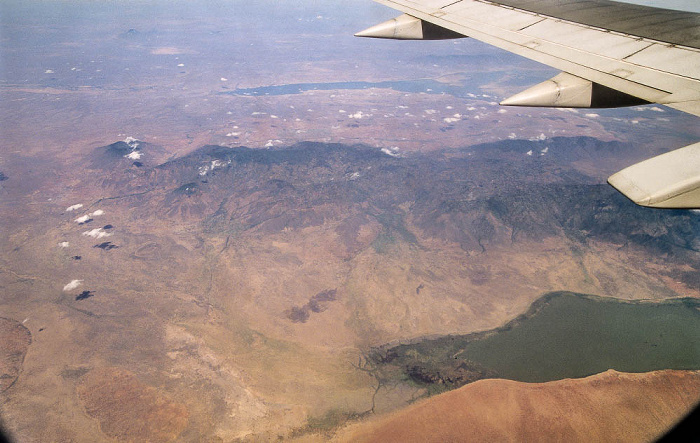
(407, 27)
(568, 91)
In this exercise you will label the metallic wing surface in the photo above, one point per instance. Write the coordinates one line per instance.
(611, 54)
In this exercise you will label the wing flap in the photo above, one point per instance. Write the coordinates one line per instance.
(669, 180)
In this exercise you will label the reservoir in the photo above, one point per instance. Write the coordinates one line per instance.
(564, 335)
(428, 86)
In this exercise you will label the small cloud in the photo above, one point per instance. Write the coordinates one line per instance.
(64, 244)
(132, 142)
(539, 138)
(224, 79)
(134, 155)
(166, 50)
(645, 108)
(544, 151)
(49, 71)
(83, 219)
(529, 152)
(180, 65)
(592, 115)
(74, 207)
(391, 151)
(72, 285)
(97, 233)
(512, 136)
(502, 111)
(97, 213)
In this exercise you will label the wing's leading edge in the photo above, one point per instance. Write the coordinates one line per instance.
(611, 54)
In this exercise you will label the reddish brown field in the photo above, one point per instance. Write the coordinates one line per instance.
(610, 406)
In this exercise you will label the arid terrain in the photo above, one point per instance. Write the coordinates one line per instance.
(209, 223)
(604, 407)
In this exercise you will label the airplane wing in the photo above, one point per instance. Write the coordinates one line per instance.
(611, 54)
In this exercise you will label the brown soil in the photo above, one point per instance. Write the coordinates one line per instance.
(14, 342)
(610, 406)
(129, 410)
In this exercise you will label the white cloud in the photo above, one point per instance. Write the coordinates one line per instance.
(72, 285)
(97, 233)
(652, 108)
(392, 152)
(539, 138)
(132, 142)
(74, 207)
(224, 79)
(544, 151)
(430, 111)
(358, 115)
(134, 155)
(48, 71)
(529, 152)
(512, 136)
(82, 219)
(502, 111)
(64, 244)
(97, 213)
(592, 115)
(180, 65)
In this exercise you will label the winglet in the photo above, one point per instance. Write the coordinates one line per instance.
(670, 180)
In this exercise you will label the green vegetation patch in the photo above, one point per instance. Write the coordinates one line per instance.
(563, 335)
